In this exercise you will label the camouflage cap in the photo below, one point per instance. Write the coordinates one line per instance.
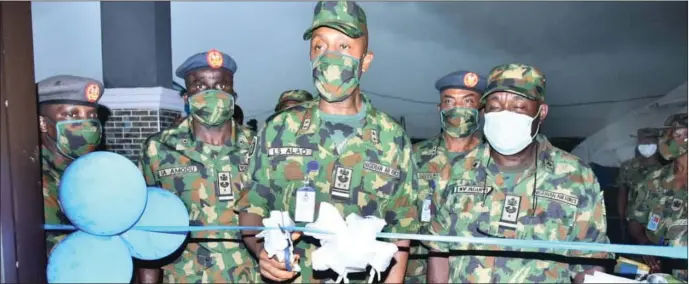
(647, 133)
(344, 16)
(524, 80)
(211, 59)
(299, 96)
(68, 89)
(678, 120)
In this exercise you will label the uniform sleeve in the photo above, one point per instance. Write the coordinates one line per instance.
(255, 194)
(401, 212)
(590, 224)
(144, 162)
(620, 181)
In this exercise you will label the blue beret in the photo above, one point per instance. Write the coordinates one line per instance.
(210, 59)
(465, 80)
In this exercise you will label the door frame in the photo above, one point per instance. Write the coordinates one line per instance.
(22, 239)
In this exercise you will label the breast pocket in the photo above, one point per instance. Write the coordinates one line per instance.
(378, 183)
(463, 201)
(180, 178)
(465, 204)
(285, 179)
(554, 216)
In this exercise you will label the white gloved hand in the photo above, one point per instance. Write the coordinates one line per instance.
(353, 245)
(275, 241)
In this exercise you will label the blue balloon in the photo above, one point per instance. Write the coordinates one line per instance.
(163, 208)
(102, 193)
(84, 258)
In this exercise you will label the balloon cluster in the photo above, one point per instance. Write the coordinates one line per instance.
(105, 197)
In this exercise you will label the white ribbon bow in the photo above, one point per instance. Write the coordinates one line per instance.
(352, 246)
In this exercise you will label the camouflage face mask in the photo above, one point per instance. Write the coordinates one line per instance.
(459, 122)
(76, 138)
(335, 75)
(212, 107)
(669, 148)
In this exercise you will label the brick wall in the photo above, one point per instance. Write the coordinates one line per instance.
(127, 129)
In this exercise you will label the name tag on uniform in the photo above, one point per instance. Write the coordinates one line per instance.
(290, 151)
(653, 222)
(342, 182)
(427, 175)
(470, 189)
(561, 197)
(177, 171)
(224, 188)
(306, 205)
(426, 210)
(381, 169)
(510, 211)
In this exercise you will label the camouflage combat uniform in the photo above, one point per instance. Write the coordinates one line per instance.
(435, 165)
(207, 178)
(52, 170)
(558, 198)
(663, 204)
(370, 174)
(51, 173)
(632, 173)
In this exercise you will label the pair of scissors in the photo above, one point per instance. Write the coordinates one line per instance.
(288, 254)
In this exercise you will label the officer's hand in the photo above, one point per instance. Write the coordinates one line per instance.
(274, 270)
(653, 263)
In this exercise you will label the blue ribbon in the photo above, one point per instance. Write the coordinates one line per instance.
(670, 252)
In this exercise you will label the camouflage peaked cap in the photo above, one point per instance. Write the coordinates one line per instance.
(520, 79)
(647, 133)
(344, 16)
(299, 96)
(678, 120)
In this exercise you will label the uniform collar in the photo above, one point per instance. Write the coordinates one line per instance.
(182, 136)
(545, 156)
(311, 123)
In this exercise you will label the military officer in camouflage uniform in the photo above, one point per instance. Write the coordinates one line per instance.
(291, 98)
(436, 158)
(517, 186)
(203, 160)
(660, 215)
(69, 127)
(633, 171)
(338, 148)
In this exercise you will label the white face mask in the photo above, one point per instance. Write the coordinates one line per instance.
(509, 132)
(647, 150)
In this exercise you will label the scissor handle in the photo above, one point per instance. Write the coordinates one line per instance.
(288, 260)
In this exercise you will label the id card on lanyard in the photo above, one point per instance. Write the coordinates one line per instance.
(306, 196)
